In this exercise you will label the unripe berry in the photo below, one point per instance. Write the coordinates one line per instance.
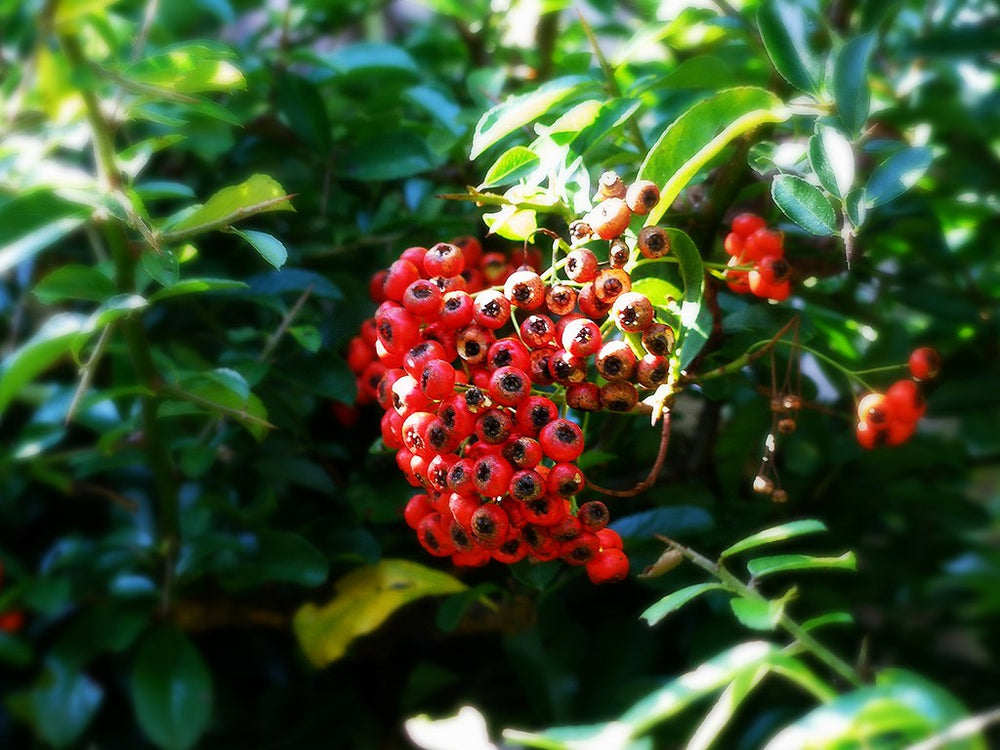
(632, 312)
(618, 253)
(642, 196)
(609, 218)
(581, 265)
(525, 289)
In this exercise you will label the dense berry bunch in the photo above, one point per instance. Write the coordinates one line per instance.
(472, 355)
(751, 243)
(890, 418)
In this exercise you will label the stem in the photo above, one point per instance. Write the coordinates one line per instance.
(735, 586)
(755, 351)
(654, 472)
(285, 324)
(635, 135)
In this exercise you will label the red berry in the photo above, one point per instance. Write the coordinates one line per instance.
(565, 480)
(652, 370)
(560, 299)
(590, 305)
(733, 244)
(538, 331)
(444, 259)
(581, 337)
(491, 476)
(490, 525)
(526, 485)
(525, 289)
(423, 299)
(398, 277)
(432, 533)
(924, 363)
(457, 310)
(619, 395)
(509, 385)
(658, 339)
(616, 361)
(534, 413)
(581, 265)
(417, 508)
(746, 224)
(508, 352)
(584, 397)
(437, 380)
(632, 312)
(593, 515)
(567, 369)
(417, 358)
(494, 426)
(607, 566)
(523, 452)
(610, 283)
(763, 242)
(492, 309)
(473, 343)
(561, 440)
(642, 196)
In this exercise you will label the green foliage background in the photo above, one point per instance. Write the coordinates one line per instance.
(211, 358)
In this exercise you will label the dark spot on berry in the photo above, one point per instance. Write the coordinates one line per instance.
(452, 303)
(539, 417)
(430, 539)
(492, 426)
(502, 358)
(472, 348)
(483, 472)
(613, 365)
(511, 383)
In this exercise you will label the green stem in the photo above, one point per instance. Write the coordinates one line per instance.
(735, 586)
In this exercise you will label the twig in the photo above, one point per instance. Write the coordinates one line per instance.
(283, 327)
(118, 499)
(654, 472)
(740, 362)
(87, 371)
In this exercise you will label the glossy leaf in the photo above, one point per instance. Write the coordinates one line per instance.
(51, 342)
(269, 247)
(765, 566)
(196, 286)
(674, 601)
(511, 165)
(277, 556)
(832, 160)
(757, 614)
(32, 221)
(695, 327)
(851, 82)
(785, 28)
(302, 105)
(256, 195)
(370, 57)
(896, 175)
(63, 703)
(774, 534)
(521, 110)
(365, 598)
(698, 135)
(389, 155)
(188, 68)
(804, 204)
(74, 281)
(670, 520)
(831, 618)
(162, 266)
(171, 689)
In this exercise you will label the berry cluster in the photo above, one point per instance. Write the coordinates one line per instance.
(751, 243)
(890, 418)
(471, 354)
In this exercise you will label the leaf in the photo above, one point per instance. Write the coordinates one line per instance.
(162, 266)
(899, 710)
(370, 57)
(31, 221)
(188, 68)
(389, 155)
(670, 520)
(37, 354)
(220, 391)
(255, 195)
(171, 689)
(74, 281)
(804, 204)
(268, 246)
(765, 566)
(757, 614)
(302, 105)
(695, 327)
(70, 11)
(196, 286)
(699, 134)
(518, 111)
(297, 280)
(785, 28)
(308, 337)
(365, 598)
(676, 600)
(832, 160)
(63, 703)
(896, 175)
(725, 707)
(277, 556)
(510, 166)
(831, 618)
(851, 91)
(774, 534)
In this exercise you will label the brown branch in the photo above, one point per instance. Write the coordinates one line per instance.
(654, 472)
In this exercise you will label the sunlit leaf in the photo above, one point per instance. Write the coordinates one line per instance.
(511, 165)
(774, 534)
(365, 598)
(256, 195)
(674, 601)
(832, 160)
(896, 175)
(786, 27)
(765, 566)
(188, 68)
(31, 221)
(74, 281)
(267, 245)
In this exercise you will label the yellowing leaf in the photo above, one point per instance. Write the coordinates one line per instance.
(365, 599)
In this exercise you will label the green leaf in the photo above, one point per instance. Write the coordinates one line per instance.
(510, 166)
(765, 566)
(389, 155)
(774, 534)
(196, 286)
(370, 57)
(188, 68)
(899, 710)
(163, 266)
(220, 391)
(832, 160)
(255, 195)
(665, 296)
(896, 175)
(37, 354)
(365, 598)
(758, 614)
(74, 281)
(695, 327)
(804, 204)
(699, 134)
(676, 600)
(850, 81)
(671, 520)
(518, 111)
(171, 690)
(785, 28)
(831, 618)
(302, 105)
(69, 12)
(63, 703)
(268, 246)
(278, 556)
(725, 707)
(31, 221)
(308, 337)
